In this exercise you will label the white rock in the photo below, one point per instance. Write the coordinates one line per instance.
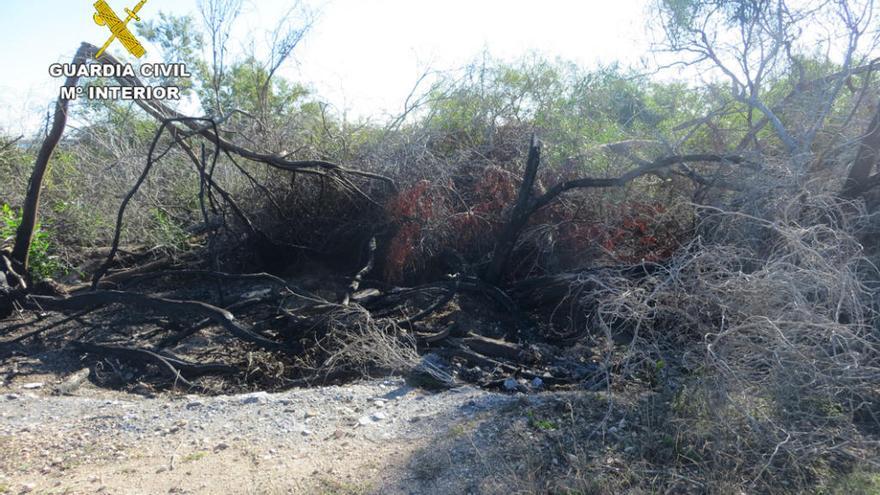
(32, 385)
(379, 416)
(365, 421)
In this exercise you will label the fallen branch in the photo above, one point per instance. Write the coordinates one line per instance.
(171, 307)
(474, 358)
(425, 338)
(178, 337)
(119, 277)
(252, 277)
(495, 348)
(171, 366)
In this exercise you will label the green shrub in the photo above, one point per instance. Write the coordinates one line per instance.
(43, 264)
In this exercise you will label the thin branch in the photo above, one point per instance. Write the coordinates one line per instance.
(171, 307)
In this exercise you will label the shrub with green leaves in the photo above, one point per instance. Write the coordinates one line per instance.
(43, 263)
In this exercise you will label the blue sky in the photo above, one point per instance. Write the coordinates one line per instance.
(362, 55)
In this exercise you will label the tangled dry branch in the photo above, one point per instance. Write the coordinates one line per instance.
(782, 330)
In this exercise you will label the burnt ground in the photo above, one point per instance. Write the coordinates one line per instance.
(74, 421)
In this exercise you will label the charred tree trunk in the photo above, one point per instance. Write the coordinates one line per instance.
(25, 233)
(526, 205)
(519, 217)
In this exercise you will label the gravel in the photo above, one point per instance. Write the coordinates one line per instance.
(271, 416)
(376, 421)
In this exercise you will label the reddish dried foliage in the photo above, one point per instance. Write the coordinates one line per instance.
(467, 218)
(409, 209)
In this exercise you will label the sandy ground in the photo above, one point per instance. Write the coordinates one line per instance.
(358, 438)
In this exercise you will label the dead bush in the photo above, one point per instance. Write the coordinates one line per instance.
(355, 340)
(777, 342)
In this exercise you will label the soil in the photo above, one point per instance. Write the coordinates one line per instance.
(127, 430)
(375, 436)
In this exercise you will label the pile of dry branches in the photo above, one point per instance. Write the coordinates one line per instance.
(766, 344)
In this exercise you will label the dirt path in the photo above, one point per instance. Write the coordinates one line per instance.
(358, 438)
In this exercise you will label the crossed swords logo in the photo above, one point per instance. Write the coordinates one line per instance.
(104, 16)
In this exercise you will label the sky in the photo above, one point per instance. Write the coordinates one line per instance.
(362, 56)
